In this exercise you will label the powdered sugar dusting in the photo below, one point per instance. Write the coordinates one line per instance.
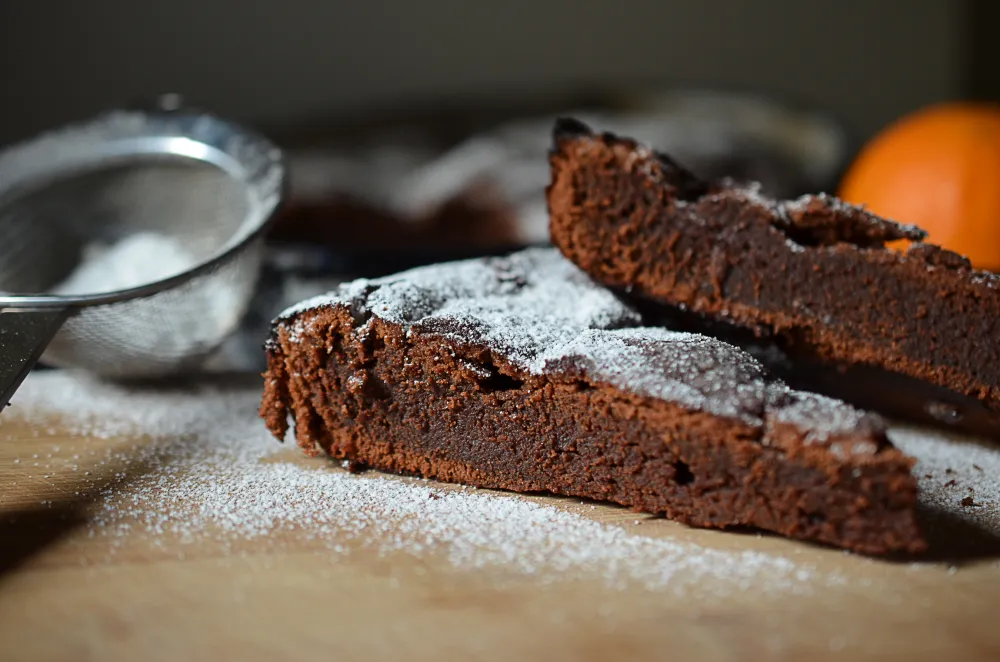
(691, 369)
(137, 259)
(957, 476)
(541, 313)
(519, 305)
(823, 418)
(209, 476)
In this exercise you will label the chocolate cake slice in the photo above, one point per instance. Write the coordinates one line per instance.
(815, 273)
(521, 373)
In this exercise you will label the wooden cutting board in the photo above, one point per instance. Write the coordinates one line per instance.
(66, 594)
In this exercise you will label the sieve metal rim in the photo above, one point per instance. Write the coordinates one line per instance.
(159, 131)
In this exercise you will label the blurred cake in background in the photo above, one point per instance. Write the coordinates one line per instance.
(405, 192)
(401, 191)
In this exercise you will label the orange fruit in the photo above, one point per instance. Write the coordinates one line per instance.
(937, 168)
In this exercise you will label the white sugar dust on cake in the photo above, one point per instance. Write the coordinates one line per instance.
(542, 314)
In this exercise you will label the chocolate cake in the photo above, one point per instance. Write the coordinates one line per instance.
(815, 273)
(470, 223)
(521, 373)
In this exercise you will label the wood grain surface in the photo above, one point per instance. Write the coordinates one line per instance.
(68, 595)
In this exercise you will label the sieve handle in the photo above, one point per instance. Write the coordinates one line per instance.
(24, 335)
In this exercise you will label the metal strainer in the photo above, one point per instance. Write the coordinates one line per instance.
(207, 184)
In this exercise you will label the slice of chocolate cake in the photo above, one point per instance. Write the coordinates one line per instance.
(814, 273)
(521, 373)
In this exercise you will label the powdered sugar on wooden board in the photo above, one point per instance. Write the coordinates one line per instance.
(957, 477)
(209, 474)
(206, 473)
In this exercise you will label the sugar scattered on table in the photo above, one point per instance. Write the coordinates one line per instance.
(949, 468)
(210, 474)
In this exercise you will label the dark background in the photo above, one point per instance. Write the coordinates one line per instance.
(302, 63)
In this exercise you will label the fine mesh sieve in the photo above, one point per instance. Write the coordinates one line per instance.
(203, 183)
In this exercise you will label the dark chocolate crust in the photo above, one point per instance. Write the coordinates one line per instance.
(520, 373)
(816, 273)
